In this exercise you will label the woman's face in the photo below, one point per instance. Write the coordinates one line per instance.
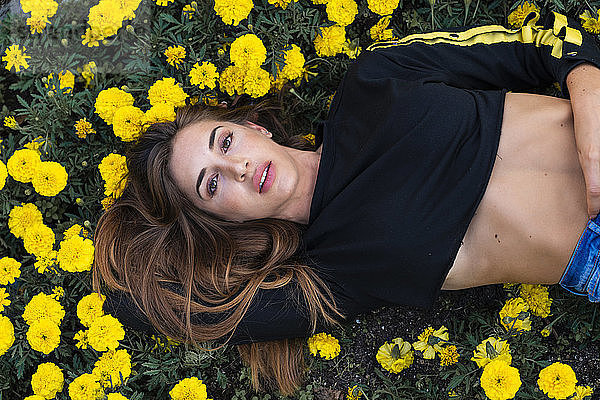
(220, 166)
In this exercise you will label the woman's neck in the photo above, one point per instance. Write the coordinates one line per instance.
(307, 163)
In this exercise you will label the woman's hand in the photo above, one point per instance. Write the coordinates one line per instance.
(583, 83)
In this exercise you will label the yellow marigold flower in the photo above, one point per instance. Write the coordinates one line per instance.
(379, 32)
(557, 381)
(232, 12)
(43, 335)
(86, 386)
(4, 301)
(166, 90)
(43, 306)
(517, 17)
(281, 3)
(515, 315)
(35, 144)
(82, 339)
(231, 80)
(257, 82)
(47, 380)
(500, 381)
(589, 23)
(88, 72)
(50, 178)
(330, 41)
(45, 261)
(75, 230)
(22, 165)
(105, 19)
(326, 345)
(128, 122)
(10, 122)
(39, 239)
(175, 55)
(37, 23)
(116, 396)
(248, 51)
(431, 341)
(162, 112)
(37, 7)
(491, 349)
(3, 175)
(84, 128)
(76, 254)
(9, 270)
(57, 293)
(395, 356)
(107, 202)
(448, 356)
(546, 331)
(188, 10)
(15, 58)
(204, 75)
(7, 334)
(536, 297)
(383, 7)
(64, 82)
(23, 217)
(89, 308)
(110, 364)
(189, 388)
(209, 99)
(342, 12)
(294, 63)
(354, 393)
(582, 393)
(105, 333)
(91, 38)
(310, 138)
(109, 101)
(113, 169)
(164, 2)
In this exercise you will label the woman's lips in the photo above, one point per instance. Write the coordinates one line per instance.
(269, 178)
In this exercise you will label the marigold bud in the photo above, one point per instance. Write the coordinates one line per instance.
(84, 163)
(50, 93)
(27, 192)
(78, 200)
(125, 88)
(87, 223)
(64, 42)
(129, 28)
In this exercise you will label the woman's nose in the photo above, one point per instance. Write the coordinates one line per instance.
(239, 168)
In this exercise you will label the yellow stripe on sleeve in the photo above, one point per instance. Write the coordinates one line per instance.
(491, 34)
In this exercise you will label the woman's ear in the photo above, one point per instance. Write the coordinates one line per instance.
(260, 128)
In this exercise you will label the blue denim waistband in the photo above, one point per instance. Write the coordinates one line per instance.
(582, 274)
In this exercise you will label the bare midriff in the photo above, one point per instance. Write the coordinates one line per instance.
(534, 208)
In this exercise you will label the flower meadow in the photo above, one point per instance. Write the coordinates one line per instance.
(80, 80)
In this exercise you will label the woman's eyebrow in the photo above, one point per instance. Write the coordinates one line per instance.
(211, 144)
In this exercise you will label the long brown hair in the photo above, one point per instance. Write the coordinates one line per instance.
(154, 234)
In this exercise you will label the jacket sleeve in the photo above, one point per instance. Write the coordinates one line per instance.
(272, 315)
(491, 56)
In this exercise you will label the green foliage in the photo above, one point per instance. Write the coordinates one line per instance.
(134, 59)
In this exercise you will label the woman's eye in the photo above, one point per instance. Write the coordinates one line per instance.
(212, 185)
(226, 142)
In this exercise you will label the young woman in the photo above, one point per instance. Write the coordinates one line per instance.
(427, 175)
